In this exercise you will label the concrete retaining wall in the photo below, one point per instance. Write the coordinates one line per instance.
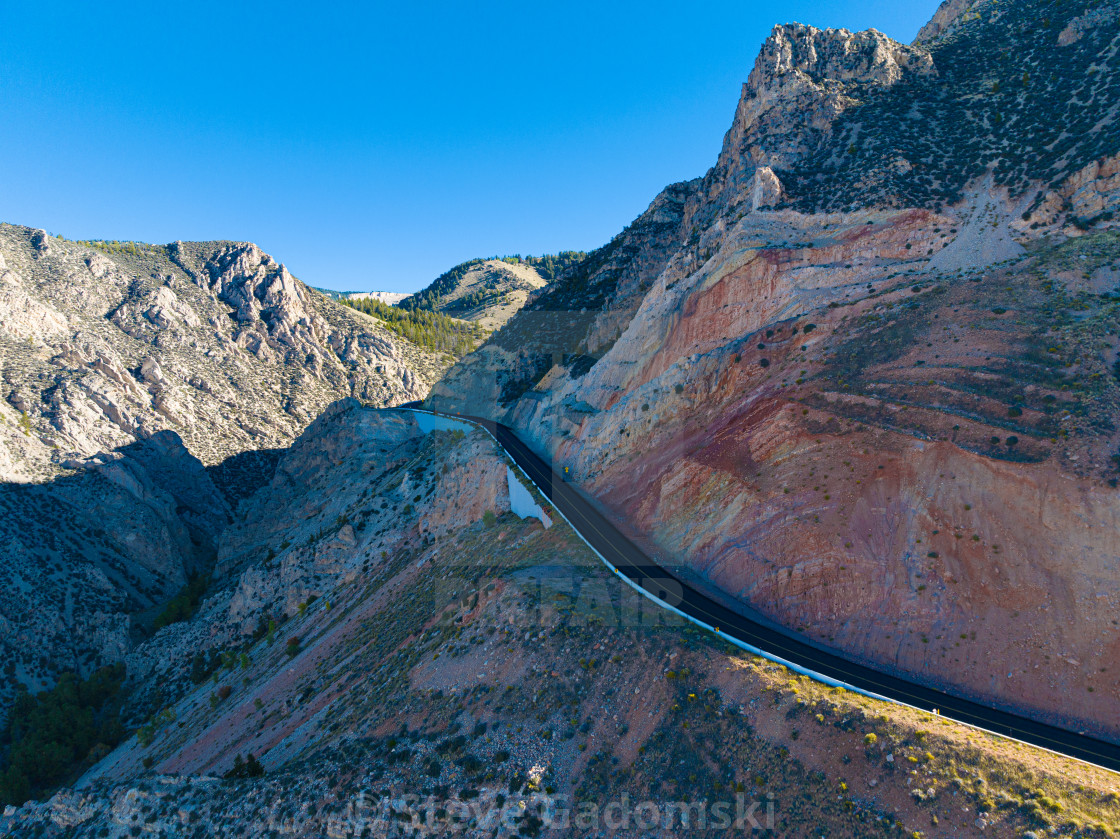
(430, 422)
(521, 501)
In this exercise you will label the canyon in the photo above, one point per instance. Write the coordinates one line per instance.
(859, 379)
(147, 391)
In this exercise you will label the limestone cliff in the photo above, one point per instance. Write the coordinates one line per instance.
(866, 382)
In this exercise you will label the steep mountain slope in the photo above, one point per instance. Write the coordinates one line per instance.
(400, 662)
(216, 341)
(575, 319)
(859, 376)
(490, 291)
(142, 389)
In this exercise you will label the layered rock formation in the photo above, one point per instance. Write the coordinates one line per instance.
(137, 383)
(423, 668)
(859, 377)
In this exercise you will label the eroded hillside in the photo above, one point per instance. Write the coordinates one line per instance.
(402, 655)
(491, 291)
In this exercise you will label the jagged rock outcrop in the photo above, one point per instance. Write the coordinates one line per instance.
(132, 379)
(267, 300)
(1022, 92)
(948, 14)
(239, 353)
(1094, 18)
(803, 79)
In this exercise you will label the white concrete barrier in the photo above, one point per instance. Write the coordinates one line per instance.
(521, 501)
(433, 422)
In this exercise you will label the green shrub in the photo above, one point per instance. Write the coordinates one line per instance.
(248, 768)
(147, 732)
(202, 667)
(183, 604)
(50, 734)
(430, 330)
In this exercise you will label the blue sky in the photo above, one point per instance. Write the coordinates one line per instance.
(378, 146)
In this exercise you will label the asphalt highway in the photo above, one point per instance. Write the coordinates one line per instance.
(629, 561)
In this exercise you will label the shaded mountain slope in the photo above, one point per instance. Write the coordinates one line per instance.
(129, 374)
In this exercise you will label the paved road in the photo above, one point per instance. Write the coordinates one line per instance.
(632, 563)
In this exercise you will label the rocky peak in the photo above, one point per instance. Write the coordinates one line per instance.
(829, 57)
(944, 20)
(263, 293)
(1022, 90)
(802, 80)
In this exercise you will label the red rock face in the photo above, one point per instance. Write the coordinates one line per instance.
(756, 287)
(911, 466)
(893, 549)
(863, 518)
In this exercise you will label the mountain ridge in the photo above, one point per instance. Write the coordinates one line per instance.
(490, 291)
(144, 388)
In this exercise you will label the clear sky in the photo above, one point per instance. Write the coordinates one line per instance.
(375, 146)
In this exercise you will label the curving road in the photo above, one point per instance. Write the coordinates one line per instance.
(630, 563)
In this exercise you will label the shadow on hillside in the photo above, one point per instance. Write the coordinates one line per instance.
(239, 476)
(119, 511)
